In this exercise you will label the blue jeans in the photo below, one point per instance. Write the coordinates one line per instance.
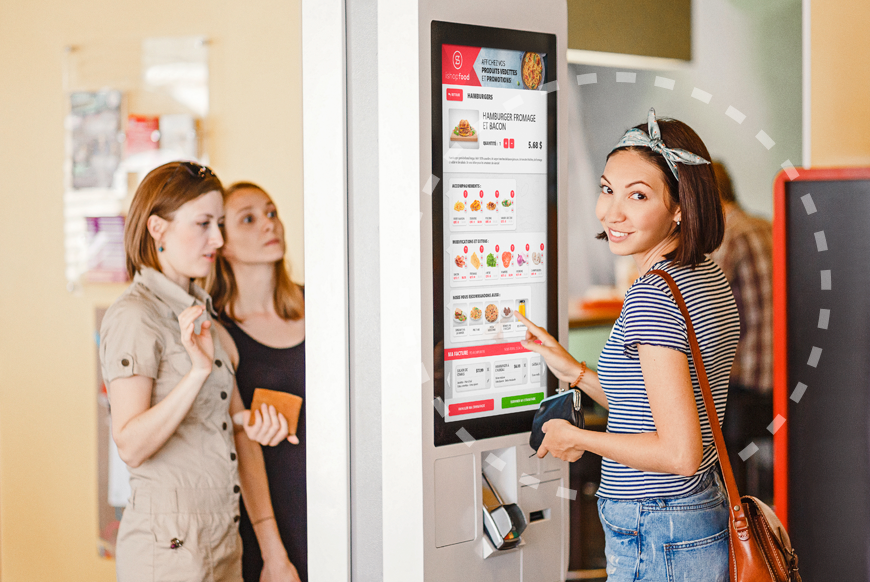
(668, 539)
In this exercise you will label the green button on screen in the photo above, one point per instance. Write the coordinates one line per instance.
(522, 400)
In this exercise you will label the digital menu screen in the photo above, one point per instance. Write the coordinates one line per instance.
(494, 224)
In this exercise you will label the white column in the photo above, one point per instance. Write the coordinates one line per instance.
(326, 288)
(401, 373)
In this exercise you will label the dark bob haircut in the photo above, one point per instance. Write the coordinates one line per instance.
(702, 224)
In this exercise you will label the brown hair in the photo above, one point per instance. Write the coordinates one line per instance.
(163, 191)
(288, 297)
(702, 220)
(723, 182)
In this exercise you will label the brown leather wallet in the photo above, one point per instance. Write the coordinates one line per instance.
(287, 404)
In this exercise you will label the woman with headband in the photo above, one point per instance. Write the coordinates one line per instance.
(661, 501)
(177, 418)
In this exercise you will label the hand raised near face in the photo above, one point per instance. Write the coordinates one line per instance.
(200, 347)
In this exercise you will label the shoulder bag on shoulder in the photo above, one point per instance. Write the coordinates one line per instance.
(760, 549)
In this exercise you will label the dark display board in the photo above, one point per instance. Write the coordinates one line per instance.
(822, 375)
(494, 226)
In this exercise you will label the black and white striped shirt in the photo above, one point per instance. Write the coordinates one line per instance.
(651, 316)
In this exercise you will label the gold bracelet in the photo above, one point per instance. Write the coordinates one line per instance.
(262, 519)
(580, 377)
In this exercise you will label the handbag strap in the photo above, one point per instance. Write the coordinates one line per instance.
(735, 507)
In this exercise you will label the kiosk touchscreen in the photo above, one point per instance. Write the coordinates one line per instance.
(494, 225)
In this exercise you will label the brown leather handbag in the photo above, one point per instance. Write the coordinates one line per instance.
(760, 549)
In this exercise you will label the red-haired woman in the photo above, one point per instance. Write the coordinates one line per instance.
(661, 501)
(177, 418)
(264, 312)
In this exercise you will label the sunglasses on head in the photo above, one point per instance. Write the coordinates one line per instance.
(192, 168)
(195, 170)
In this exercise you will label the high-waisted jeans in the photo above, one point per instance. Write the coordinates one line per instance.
(668, 539)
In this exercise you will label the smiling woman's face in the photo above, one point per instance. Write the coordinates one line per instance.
(254, 233)
(633, 208)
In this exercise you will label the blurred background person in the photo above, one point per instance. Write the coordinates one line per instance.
(264, 312)
(746, 258)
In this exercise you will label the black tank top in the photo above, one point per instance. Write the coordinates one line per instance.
(281, 369)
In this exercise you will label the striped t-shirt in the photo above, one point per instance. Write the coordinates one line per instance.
(650, 316)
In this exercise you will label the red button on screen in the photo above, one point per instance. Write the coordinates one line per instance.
(471, 407)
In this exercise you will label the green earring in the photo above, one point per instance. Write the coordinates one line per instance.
(160, 249)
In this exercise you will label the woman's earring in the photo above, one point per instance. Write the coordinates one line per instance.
(160, 248)
(678, 224)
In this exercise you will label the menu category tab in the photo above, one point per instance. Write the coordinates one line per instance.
(484, 314)
(482, 205)
(497, 259)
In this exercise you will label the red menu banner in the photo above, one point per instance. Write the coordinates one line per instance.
(484, 351)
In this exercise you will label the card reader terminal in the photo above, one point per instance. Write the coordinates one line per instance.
(503, 523)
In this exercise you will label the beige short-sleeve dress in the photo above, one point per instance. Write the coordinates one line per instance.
(181, 523)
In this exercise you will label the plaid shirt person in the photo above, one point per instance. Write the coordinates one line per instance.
(746, 258)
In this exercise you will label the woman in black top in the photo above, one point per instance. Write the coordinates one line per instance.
(264, 312)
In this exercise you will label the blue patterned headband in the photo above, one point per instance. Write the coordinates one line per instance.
(636, 137)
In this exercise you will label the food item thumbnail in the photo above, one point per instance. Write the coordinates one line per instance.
(490, 205)
(533, 69)
(537, 258)
(460, 261)
(507, 312)
(507, 203)
(463, 132)
(491, 261)
(459, 316)
(459, 206)
(475, 261)
(521, 260)
(506, 259)
(475, 313)
(475, 206)
(491, 313)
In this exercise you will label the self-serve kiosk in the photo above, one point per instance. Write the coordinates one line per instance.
(493, 141)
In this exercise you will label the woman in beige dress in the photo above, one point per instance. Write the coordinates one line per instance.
(177, 418)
